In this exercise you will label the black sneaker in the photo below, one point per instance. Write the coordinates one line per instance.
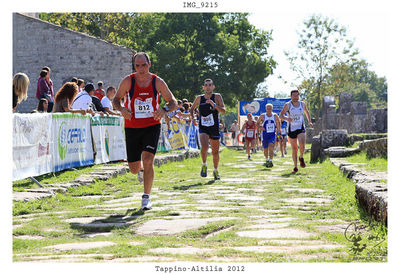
(302, 163)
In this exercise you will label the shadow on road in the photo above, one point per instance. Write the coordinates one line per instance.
(186, 187)
(109, 223)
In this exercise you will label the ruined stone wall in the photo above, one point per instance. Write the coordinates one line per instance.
(37, 43)
(375, 148)
(352, 116)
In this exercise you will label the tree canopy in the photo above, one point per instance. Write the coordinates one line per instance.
(186, 48)
(327, 63)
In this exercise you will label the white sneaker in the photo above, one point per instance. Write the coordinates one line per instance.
(140, 176)
(146, 203)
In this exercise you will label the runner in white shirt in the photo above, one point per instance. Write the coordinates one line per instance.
(296, 128)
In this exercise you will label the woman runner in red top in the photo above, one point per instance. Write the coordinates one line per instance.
(249, 130)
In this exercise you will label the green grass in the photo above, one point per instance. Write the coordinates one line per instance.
(183, 180)
(374, 164)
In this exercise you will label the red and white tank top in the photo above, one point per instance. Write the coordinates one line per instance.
(142, 102)
(250, 130)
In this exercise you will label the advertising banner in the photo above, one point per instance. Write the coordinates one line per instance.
(31, 145)
(163, 144)
(72, 141)
(257, 106)
(109, 138)
(192, 136)
(176, 137)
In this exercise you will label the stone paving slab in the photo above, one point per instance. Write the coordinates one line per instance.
(28, 237)
(304, 190)
(78, 246)
(84, 219)
(181, 250)
(277, 233)
(267, 225)
(28, 196)
(67, 258)
(307, 200)
(169, 227)
(286, 249)
(143, 259)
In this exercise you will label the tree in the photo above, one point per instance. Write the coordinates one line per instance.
(223, 47)
(186, 48)
(322, 43)
(357, 79)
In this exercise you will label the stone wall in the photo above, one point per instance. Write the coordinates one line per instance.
(375, 148)
(351, 115)
(37, 43)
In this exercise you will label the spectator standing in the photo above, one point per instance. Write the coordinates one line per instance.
(81, 85)
(45, 90)
(235, 131)
(20, 89)
(65, 97)
(107, 101)
(99, 93)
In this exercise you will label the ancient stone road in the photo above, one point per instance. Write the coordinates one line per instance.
(237, 199)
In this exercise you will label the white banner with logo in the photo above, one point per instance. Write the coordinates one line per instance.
(31, 145)
(72, 146)
(109, 138)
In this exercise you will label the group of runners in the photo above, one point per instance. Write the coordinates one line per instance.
(273, 130)
(138, 99)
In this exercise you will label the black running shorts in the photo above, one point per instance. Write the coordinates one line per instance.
(212, 132)
(141, 139)
(295, 133)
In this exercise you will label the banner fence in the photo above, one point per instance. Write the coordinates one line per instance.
(45, 143)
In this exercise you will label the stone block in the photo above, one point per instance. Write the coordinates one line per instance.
(358, 108)
(375, 148)
(309, 135)
(377, 120)
(315, 149)
(345, 100)
(327, 101)
(340, 152)
(331, 138)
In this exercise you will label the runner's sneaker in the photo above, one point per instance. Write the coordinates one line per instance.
(271, 164)
(146, 203)
(140, 176)
(302, 163)
(295, 170)
(203, 172)
(216, 175)
(249, 158)
(282, 156)
(267, 164)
